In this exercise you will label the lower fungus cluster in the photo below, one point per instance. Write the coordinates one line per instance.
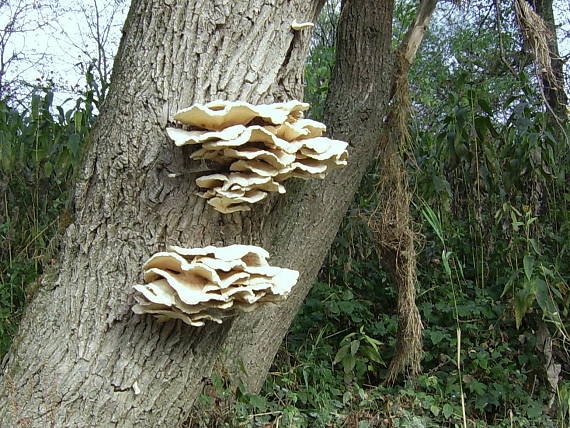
(257, 147)
(199, 284)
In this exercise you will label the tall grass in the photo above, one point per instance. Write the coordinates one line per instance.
(40, 148)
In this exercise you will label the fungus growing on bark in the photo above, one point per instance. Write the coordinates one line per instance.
(232, 192)
(199, 284)
(300, 25)
(218, 115)
(257, 147)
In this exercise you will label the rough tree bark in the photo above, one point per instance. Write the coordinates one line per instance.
(80, 349)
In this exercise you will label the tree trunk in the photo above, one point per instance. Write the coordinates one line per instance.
(80, 349)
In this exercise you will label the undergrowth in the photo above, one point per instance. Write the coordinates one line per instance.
(40, 148)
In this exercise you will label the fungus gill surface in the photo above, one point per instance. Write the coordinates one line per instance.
(257, 147)
(199, 284)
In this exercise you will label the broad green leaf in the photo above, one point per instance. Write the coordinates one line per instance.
(341, 354)
(515, 222)
(348, 363)
(485, 106)
(534, 409)
(477, 387)
(375, 343)
(481, 126)
(523, 301)
(534, 245)
(545, 300)
(258, 401)
(354, 346)
(447, 410)
(48, 169)
(528, 262)
(373, 355)
(434, 409)
(73, 143)
(436, 336)
(483, 362)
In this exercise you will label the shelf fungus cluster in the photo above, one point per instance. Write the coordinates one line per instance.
(199, 284)
(257, 147)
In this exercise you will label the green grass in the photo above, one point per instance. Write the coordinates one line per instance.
(40, 149)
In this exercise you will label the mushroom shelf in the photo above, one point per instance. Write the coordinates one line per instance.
(257, 147)
(211, 283)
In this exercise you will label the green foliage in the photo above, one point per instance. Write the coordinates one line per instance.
(564, 404)
(358, 353)
(39, 152)
(491, 178)
(320, 63)
(534, 282)
(317, 77)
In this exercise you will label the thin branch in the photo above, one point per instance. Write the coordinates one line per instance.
(500, 33)
(415, 34)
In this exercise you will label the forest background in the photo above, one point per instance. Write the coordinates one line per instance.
(486, 163)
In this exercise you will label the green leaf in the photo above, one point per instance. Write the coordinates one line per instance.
(447, 410)
(545, 300)
(48, 169)
(73, 144)
(528, 263)
(372, 341)
(482, 124)
(218, 383)
(509, 284)
(434, 409)
(433, 219)
(373, 355)
(436, 336)
(477, 387)
(258, 401)
(348, 363)
(445, 256)
(515, 221)
(485, 106)
(342, 352)
(354, 347)
(534, 410)
(534, 245)
(523, 301)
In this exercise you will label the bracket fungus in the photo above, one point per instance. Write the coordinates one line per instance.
(300, 25)
(257, 147)
(199, 284)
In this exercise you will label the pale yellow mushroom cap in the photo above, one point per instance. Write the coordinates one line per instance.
(211, 283)
(257, 147)
(218, 115)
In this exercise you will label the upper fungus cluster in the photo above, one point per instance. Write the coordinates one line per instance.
(257, 147)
